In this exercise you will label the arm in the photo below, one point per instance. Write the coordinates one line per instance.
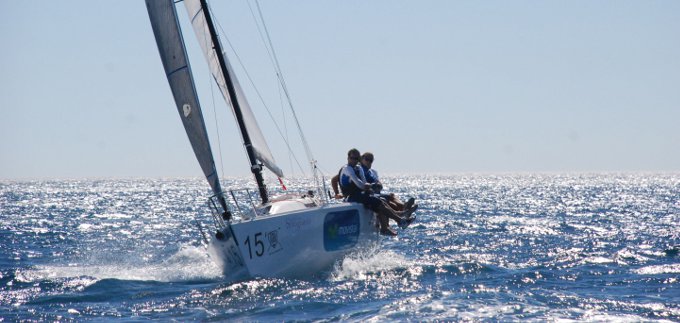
(335, 182)
(360, 180)
(377, 185)
(375, 175)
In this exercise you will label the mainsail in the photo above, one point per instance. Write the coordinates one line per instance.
(259, 144)
(173, 54)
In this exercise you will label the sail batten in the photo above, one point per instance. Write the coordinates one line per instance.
(168, 34)
(175, 71)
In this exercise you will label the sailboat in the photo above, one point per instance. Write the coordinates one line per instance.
(285, 236)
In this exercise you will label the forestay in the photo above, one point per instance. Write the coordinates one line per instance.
(260, 147)
(170, 43)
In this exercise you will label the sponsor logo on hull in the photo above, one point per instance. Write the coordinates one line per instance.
(341, 230)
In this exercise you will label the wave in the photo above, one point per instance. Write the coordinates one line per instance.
(659, 269)
(360, 265)
(189, 263)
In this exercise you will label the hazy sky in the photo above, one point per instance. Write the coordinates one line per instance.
(428, 86)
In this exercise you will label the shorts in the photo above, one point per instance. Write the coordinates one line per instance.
(369, 201)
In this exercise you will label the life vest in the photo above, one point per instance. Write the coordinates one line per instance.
(351, 188)
(371, 179)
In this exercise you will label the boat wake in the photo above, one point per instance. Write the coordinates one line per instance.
(364, 264)
(189, 263)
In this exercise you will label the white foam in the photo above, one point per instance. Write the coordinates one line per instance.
(595, 316)
(357, 266)
(659, 269)
(189, 263)
(110, 216)
(85, 227)
(627, 253)
(598, 260)
(423, 305)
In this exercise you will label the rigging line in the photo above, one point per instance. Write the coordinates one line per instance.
(272, 61)
(322, 170)
(259, 30)
(279, 73)
(252, 83)
(285, 127)
(217, 125)
(308, 151)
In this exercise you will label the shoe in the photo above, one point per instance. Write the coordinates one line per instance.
(408, 212)
(409, 203)
(388, 232)
(405, 222)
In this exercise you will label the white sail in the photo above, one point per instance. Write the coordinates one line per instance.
(198, 21)
(173, 54)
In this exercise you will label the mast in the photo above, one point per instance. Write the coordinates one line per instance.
(254, 166)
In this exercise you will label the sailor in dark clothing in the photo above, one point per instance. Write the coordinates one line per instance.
(372, 178)
(355, 187)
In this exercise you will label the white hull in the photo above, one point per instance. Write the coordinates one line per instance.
(295, 244)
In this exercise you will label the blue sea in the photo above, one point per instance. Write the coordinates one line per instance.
(543, 247)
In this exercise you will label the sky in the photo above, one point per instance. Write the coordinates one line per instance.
(427, 86)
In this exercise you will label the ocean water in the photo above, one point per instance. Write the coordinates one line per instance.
(596, 247)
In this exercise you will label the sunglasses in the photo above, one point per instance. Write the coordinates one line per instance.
(353, 157)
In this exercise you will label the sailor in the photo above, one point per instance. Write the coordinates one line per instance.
(356, 189)
(372, 177)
